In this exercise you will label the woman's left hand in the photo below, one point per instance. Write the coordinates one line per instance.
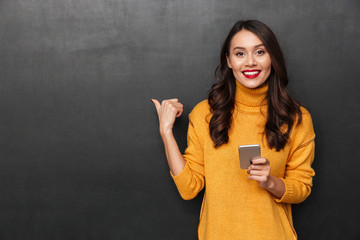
(259, 171)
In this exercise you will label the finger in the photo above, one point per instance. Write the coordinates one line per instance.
(176, 106)
(257, 178)
(173, 100)
(179, 110)
(258, 167)
(169, 102)
(249, 169)
(157, 104)
(178, 114)
(256, 161)
(257, 173)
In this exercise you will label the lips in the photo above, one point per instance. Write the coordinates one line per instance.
(252, 73)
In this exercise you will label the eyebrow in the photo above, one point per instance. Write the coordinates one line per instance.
(256, 46)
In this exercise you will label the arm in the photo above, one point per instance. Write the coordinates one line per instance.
(296, 184)
(187, 171)
(168, 111)
(173, 155)
(299, 174)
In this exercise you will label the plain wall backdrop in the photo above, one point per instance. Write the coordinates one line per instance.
(80, 152)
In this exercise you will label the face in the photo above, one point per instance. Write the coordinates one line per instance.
(248, 59)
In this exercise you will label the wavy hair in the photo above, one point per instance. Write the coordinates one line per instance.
(282, 109)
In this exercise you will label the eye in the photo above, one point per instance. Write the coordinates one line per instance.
(260, 52)
(239, 54)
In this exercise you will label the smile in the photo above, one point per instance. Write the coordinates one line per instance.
(251, 73)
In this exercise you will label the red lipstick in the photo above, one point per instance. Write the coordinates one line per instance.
(252, 73)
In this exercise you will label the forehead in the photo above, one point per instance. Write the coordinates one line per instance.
(245, 39)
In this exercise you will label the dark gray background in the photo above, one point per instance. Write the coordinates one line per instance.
(81, 157)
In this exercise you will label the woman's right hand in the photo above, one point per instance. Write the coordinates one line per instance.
(167, 112)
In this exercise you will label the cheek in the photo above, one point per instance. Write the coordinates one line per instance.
(266, 67)
(267, 74)
(269, 67)
(267, 64)
(235, 62)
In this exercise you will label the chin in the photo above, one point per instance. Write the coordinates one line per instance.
(251, 83)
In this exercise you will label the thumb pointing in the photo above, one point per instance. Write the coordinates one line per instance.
(156, 103)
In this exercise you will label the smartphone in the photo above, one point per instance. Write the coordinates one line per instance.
(247, 153)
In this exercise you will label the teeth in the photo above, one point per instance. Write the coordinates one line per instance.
(251, 73)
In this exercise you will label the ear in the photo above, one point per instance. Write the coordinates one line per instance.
(228, 61)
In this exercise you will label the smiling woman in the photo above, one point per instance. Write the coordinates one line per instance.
(249, 104)
(248, 59)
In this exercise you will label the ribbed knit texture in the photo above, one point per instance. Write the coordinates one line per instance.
(235, 207)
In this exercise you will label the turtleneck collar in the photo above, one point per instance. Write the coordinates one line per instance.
(250, 98)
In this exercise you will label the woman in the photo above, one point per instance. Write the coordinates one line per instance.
(249, 104)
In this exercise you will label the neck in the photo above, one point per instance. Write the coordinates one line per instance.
(250, 97)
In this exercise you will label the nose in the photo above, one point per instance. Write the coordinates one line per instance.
(251, 61)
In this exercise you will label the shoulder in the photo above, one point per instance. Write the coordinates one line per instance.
(201, 112)
(304, 131)
(306, 120)
(304, 111)
(201, 109)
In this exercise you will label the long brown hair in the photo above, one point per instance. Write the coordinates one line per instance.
(282, 108)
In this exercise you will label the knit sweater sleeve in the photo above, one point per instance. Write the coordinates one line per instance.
(299, 173)
(190, 181)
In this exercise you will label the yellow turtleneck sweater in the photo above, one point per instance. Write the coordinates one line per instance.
(235, 207)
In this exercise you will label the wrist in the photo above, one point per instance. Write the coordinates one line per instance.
(271, 184)
(166, 133)
(275, 186)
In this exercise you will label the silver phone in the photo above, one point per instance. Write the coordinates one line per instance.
(247, 153)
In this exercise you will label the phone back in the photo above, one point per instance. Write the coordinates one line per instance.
(247, 153)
